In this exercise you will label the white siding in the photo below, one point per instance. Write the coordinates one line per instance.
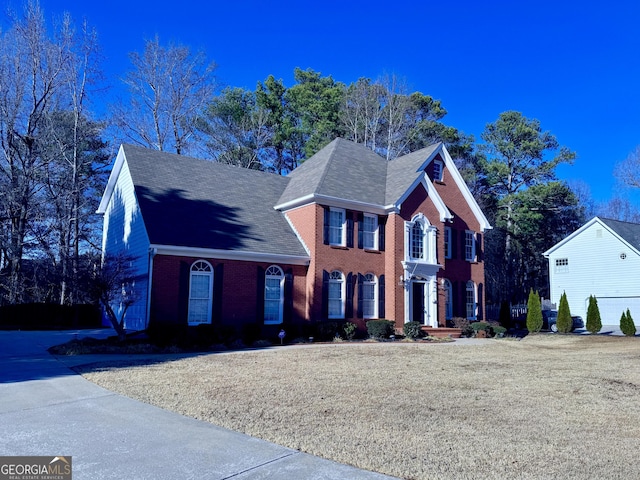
(124, 230)
(595, 267)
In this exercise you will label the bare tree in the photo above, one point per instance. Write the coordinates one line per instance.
(169, 88)
(628, 170)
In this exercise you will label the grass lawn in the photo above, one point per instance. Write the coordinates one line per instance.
(548, 406)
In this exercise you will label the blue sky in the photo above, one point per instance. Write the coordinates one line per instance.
(572, 65)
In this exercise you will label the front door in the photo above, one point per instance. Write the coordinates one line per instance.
(417, 302)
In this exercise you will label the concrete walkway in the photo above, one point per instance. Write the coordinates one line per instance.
(46, 409)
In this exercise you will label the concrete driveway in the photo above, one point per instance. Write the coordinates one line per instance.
(46, 409)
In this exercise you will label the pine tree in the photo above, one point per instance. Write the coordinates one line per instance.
(534, 312)
(626, 324)
(594, 322)
(564, 322)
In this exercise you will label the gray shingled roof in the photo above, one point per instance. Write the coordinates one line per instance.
(198, 203)
(629, 231)
(351, 171)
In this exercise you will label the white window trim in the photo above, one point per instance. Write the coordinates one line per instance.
(343, 227)
(343, 294)
(429, 240)
(280, 276)
(373, 283)
(208, 272)
(374, 233)
(470, 234)
(474, 305)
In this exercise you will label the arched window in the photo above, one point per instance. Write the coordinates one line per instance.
(273, 295)
(336, 294)
(417, 241)
(448, 298)
(471, 300)
(200, 293)
(369, 296)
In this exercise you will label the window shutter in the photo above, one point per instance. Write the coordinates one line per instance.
(455, 303)
(360, 230)
(325, 237)
(479, 301)
(288, 296)
(382, 223)
(348, 309)
(183, 296)
(381, 313)
(360, 296)
(463, 244)
(325, 295)
(217, 292)
(478, 247)
(349, 215)
(260, 295)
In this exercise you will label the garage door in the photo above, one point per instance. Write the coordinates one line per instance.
(611, 309)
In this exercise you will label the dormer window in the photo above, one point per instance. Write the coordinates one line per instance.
(438, 170)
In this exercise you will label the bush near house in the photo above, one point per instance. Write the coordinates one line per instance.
(412, 330)
(594, 322)
(565, 322)
(534, 312)
(626, 324)
(380, 328)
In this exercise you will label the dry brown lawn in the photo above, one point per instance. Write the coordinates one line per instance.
(549, 406)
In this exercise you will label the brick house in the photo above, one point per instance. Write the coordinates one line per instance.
(347, 236)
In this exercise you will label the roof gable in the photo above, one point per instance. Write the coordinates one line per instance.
(628, 233)
(201, 204)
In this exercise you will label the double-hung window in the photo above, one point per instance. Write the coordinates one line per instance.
(369, 289)
(470, 246)
(417, 243)
(471, 300)
(200, 293)
(370, 232)
(273, 295)
(562, 265)
(447, 242)
(336, 294)
(337, 229)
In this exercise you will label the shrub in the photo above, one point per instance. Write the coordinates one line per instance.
(412, 330)
(534, 312)
(380, 328)
(326, 331)
(349, 330)
(463, 325)
(594, 322)
(479, 326)
(626, 324)
(564, 322)
(499, 331)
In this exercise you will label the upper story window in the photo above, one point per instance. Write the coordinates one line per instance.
(438, 170)
(273, 295)
(337, 230)
(336, 294)
(562, 265)
(200, 293)
(470, 246)
(370, 232)
(447, 242)
(420, 240)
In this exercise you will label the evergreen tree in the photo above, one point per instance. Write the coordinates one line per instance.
(534, 312)
(594, 322)
(564, 322)
(626, 324)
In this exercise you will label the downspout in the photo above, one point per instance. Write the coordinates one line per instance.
(152, 253)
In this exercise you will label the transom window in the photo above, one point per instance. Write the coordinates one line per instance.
(337, 233)
(370, 232)
(562, 265)
(369, 303)
(200, 293)
(470, 246)
(336, 294)
(273, 295)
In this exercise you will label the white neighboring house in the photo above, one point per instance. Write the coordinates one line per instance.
(601, 258)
